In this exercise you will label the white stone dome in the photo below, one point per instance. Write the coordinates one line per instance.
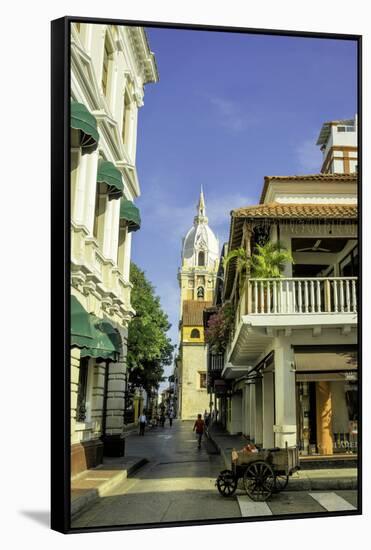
(200, 238)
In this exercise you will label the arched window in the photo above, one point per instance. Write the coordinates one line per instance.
(201, 258)
(195, 333)
(200, 293)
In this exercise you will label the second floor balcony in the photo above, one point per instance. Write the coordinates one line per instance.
(300, 295)
(300, 308)
(215, 363)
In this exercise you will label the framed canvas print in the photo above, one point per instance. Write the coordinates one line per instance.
(206, 289)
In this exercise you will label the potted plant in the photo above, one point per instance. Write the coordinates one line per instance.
(219, 328)
(267, 262)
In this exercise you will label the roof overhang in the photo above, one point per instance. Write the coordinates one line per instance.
(256, 332)
(282, 216)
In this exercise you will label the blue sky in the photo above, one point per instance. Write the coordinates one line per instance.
(228, 110)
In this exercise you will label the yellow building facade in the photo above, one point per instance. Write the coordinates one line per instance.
(197, 277)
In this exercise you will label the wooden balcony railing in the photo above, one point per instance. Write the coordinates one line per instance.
(300, 295)
(215, 363)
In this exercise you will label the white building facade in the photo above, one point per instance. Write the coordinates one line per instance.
(291, 364)
(110, 65)
(338, 143)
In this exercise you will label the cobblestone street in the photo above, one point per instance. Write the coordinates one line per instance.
(178, 484)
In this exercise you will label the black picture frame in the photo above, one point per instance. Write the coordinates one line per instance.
(60, 267)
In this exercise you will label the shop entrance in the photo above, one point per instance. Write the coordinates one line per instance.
(327, 399)
(327, 414)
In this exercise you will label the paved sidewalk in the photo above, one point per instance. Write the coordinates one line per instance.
(304, 480)
(90, 485)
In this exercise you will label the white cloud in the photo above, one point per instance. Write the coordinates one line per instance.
(231, 114)
(309, 156)
(174, 220)
(218, 208)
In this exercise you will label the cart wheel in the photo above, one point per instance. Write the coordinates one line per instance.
(281, 482)
(226, 483)
(259, 480)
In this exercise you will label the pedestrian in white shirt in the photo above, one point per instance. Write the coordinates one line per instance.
(142, 423)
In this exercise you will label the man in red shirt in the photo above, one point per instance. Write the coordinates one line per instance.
(199, 426)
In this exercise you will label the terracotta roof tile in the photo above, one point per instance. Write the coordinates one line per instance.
(319, 177)
(193, 312)
(289, 210)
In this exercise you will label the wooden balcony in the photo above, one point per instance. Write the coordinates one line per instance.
(215, 363)
(300, 295)
(290, 305)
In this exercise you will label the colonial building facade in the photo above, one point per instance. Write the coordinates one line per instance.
(197, 278)
(289, 373)
(110, 65)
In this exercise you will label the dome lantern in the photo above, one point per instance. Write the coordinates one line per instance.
(200, 245)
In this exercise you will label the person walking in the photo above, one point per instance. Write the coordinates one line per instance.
(206, 418)
(142, 423)
(199, 427)
(162, 419)
(171, 416)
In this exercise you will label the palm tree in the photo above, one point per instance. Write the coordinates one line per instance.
(242, 259)
(269, 260)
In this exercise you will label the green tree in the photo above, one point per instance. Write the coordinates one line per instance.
(149, 347)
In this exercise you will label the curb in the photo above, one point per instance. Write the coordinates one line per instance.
(84, 502)
(216, 449)
(327, 484)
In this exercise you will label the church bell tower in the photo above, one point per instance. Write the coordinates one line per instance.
(197, 278)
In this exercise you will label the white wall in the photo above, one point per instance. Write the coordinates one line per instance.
(317, 192)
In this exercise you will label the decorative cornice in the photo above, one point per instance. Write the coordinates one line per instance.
(145, 58)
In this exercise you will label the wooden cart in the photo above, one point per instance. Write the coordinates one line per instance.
(264, 472)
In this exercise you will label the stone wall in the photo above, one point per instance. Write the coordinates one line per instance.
(194, 399)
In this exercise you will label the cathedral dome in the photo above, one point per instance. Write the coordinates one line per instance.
(200, 239)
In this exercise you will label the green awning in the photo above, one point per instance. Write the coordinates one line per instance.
(82, 120)
(109, 174)
(82, 334)
(106, 343)
(96, 337)
(112, 333)
(130, 213)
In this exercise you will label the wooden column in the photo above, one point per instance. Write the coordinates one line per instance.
(327, 295)
(246, 243)
(324, 418)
